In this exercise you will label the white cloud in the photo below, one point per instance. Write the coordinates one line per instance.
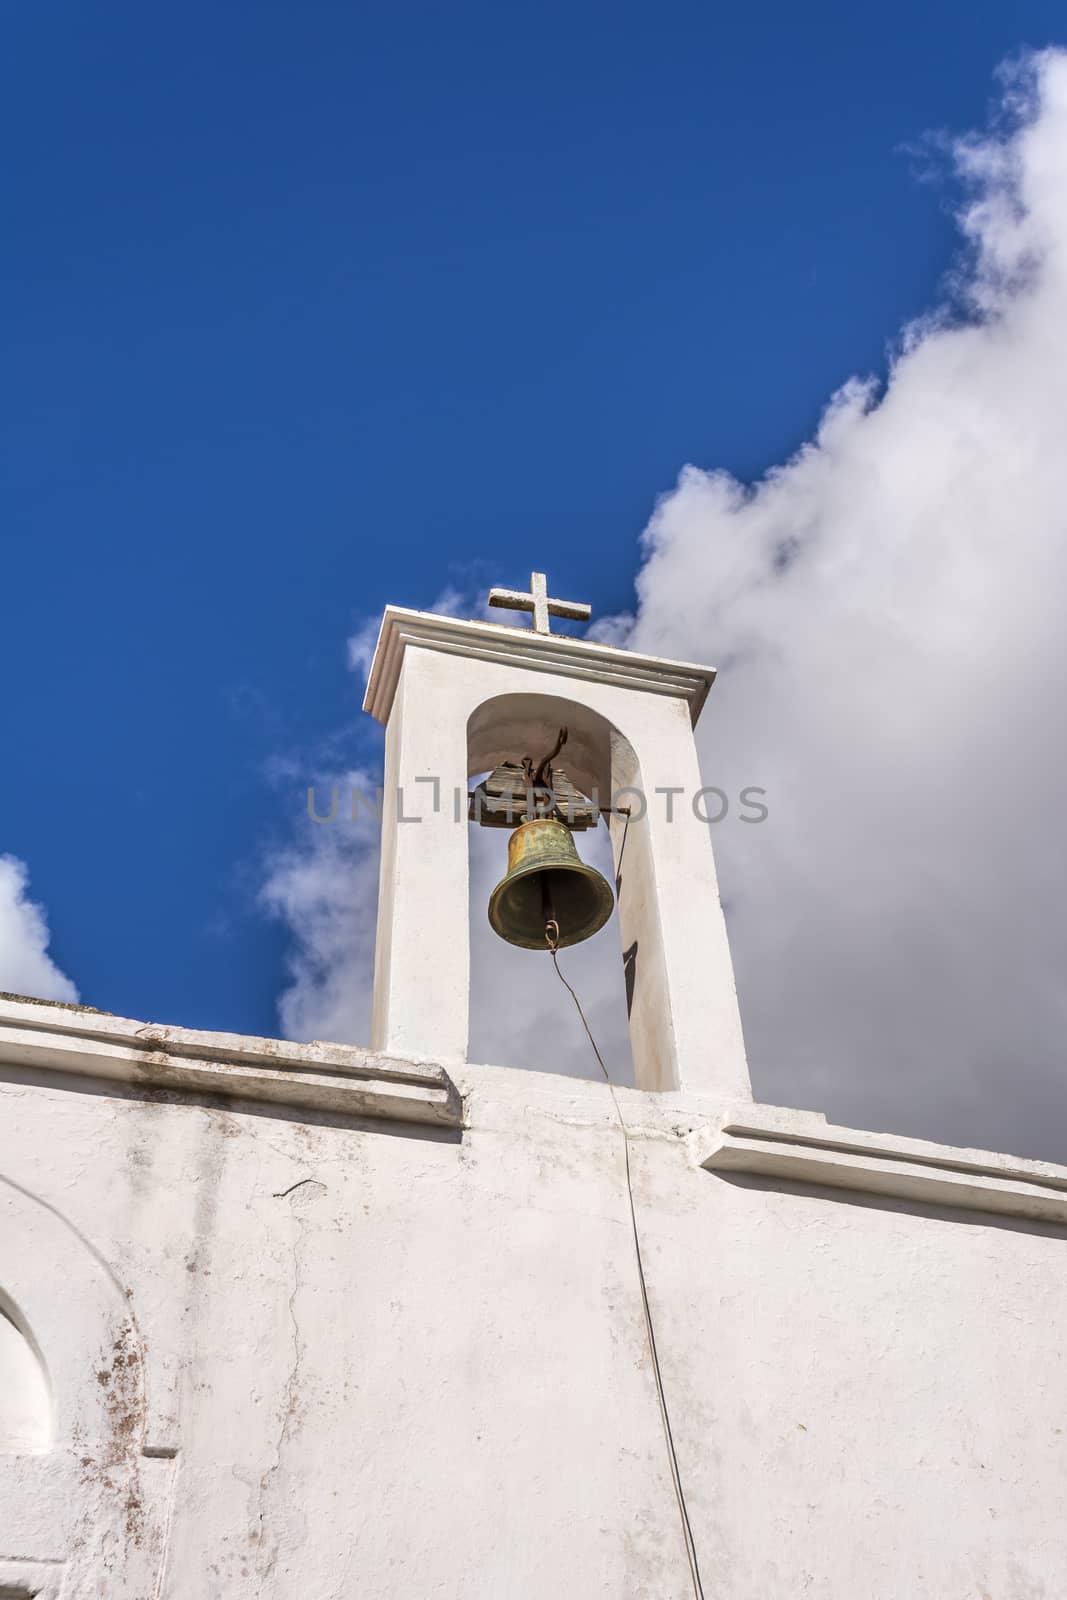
(25, 965)
(887, 610)
(324, 886)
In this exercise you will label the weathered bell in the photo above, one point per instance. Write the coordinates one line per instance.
(547, 881)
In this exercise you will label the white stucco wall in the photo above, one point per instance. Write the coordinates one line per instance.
(297, 1353)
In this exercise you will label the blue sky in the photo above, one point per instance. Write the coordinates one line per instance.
(310, 308)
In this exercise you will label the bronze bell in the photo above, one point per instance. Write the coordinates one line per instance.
(547, 881)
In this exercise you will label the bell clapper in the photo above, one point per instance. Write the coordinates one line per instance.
(546, 903)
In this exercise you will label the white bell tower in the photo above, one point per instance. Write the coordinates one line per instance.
(458, 698)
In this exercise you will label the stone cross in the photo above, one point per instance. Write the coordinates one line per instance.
(538, 602)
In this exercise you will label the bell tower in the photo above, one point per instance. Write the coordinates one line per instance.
(458, 698)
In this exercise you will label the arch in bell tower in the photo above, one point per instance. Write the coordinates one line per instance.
(456, 697)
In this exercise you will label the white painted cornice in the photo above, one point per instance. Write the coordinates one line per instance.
(771, 1142)
(801, 1147)
(521, 647)
(80, 1042)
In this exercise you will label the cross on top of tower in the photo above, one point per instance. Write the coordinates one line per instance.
(538, 602)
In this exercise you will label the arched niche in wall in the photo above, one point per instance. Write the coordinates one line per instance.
(25, 1396)
(77, 1509)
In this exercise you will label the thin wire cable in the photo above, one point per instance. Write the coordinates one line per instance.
(552, 940)
(623, 811)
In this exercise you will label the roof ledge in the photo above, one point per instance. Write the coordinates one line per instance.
(558, 653)
(341, 1079)
(801, 1147)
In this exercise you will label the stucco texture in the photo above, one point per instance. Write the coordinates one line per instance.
(295, 1355)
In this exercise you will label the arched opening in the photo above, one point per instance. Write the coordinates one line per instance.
(521, 1015)
(25, 1398)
